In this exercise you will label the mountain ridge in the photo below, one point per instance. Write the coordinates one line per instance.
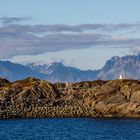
(57, 72)
(128, 66)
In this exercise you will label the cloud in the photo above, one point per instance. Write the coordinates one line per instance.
(110, 27)
(19, 39)
(11, 20)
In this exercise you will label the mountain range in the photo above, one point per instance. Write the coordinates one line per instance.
(128, 66)
(57, 72)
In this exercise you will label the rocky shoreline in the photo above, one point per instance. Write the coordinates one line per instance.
(34, 98)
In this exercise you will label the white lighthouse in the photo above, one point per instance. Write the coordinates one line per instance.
(121, 77)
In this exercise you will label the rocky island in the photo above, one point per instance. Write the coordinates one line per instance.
(34, 98)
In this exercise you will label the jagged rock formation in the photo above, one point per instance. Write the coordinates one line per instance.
(36, 98)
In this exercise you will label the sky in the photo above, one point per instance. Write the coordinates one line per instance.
(80, 33)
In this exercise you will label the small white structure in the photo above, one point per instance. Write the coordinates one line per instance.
(121, 77)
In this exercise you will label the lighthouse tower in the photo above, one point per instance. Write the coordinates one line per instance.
(121, 77)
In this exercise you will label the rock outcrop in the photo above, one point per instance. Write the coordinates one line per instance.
(31, 98)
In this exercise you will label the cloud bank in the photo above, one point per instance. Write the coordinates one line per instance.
(22, 39)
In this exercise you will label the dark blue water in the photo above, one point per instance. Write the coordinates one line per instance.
(70, 129)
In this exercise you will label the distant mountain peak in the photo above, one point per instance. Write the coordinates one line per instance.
(128, 65)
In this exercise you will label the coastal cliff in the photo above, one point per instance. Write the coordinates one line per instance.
(34, 98)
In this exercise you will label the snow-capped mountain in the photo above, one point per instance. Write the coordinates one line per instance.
(58, 72)
(128, 66)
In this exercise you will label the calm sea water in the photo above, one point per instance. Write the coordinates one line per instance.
(70, 129)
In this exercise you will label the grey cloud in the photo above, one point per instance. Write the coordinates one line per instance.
(17, 39)
(81, 28)
(86, 27)
(14, 23)
(11, 20)
(109, 27)
(59, 28)
(40, 28)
